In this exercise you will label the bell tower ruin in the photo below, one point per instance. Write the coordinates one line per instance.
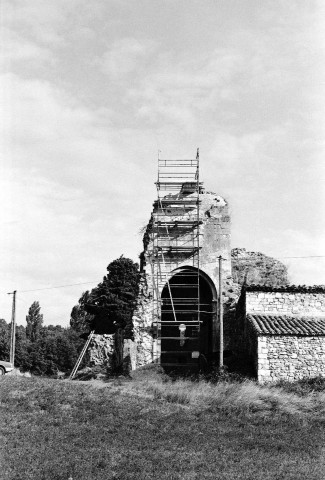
(176, 323)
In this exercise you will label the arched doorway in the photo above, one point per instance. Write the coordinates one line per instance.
(187, 319)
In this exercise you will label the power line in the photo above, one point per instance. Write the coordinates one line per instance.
(58, 286)
(95, 281)
(275, 257)
(308, 256)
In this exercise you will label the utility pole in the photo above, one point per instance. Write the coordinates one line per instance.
(13, 328)
(220, 315)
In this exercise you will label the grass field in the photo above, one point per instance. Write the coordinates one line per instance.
(151, 427)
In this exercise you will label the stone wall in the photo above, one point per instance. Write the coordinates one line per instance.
(142, 327)
(215, 232)
(286, 303)
(289, 357)
(100, 350)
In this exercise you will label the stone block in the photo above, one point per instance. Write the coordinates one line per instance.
(262, 356)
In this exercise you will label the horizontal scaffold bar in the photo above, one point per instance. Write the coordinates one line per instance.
(164, 214)
(177, 338)
(178, 201)
(185, 312)
(183, 285)
(180, 274)
(177, 352)
(176, 322)
(194, 160)
(188, 172)
(175, 185)
(176, 224)
(179, 365)
(166, 302)
(177, 248)
(180, 182)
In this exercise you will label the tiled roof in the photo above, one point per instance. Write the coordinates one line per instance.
(285, 288)
(285, 325)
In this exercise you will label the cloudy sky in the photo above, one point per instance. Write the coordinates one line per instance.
(91, 90)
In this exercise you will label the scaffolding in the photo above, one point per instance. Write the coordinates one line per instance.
(174, 257)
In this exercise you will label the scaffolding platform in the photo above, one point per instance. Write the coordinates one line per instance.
(174, 241)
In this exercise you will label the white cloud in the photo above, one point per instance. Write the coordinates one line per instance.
(16, 48)
(180, 91)
(125, 56)
(40, 20)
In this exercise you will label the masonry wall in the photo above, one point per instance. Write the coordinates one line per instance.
(290, 357)
(144, 342)
(100, 350)
(214, 236)
(286, 303)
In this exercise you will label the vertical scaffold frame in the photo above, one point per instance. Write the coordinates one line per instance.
(174, 248)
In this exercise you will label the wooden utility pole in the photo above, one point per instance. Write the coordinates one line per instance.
(13, 329)
(220, 315)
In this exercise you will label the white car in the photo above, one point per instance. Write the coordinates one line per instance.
(5, 367)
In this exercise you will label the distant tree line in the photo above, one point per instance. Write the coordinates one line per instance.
(42, 350)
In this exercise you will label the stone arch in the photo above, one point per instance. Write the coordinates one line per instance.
(202, 274)
(200, 342)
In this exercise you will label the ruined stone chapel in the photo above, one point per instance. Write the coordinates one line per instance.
(202, 304)
(189, 305)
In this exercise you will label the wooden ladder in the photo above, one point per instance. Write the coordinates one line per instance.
(81, 356)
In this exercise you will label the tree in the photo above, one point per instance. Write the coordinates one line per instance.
(34, 321)
(112, 304)
(80, 320)
(113, 301)
(4, 340)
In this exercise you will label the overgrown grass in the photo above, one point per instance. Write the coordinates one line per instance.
(305, 386)
(156, 427)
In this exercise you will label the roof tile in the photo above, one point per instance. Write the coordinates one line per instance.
(285, 288)
(286, 325)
